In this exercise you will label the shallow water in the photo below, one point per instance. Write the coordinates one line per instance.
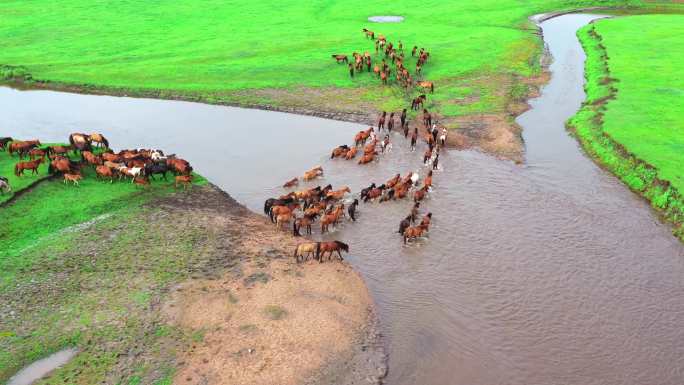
(386, 19)
(40, 368)
(547, 273)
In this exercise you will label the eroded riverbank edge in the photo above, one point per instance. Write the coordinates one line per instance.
(587, 126)
(212, 242)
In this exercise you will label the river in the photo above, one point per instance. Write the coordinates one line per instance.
(552, 272)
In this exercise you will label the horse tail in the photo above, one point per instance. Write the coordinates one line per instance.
(318, 251)
(266, 207)
(432, 87)
(332, 155)
(105, 142)
(16, 169)
(294, 228)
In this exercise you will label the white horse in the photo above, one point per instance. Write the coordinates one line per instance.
(443, 137)
(132, 171)
(157, 155)
(4, 185)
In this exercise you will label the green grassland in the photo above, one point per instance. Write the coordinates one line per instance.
(633, 118)
(7, 164)
(82, 266)
(218, 51)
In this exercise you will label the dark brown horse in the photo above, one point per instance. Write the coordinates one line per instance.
(414, 232)
(4, 141)
(341, 58)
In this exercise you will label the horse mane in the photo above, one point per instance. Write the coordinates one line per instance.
(342, 245)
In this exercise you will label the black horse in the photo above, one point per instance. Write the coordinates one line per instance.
(4, 141)
(352, 210)
(157, 168)
(276, 202)
(365, 191)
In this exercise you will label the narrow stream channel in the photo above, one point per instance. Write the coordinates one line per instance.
(547, 273)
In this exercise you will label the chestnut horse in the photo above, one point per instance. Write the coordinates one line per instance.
(425, 85)
(73, 178)
(331, 247)
(31, 165)
(414, 232)
(291, 183)
(351, 153)
(362, 136)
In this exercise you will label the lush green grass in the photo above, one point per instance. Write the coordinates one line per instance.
(646, 55)
(7, 164)
(82, 266)
(211, 48)
(632, 119)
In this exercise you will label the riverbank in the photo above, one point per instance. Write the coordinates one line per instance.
(103, 275)
(647, 141)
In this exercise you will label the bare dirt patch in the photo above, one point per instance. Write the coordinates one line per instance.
(268, 320)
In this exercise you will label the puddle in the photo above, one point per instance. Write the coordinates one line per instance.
(42, 367)
(386, 19)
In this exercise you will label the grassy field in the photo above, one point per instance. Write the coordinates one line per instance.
(79, 266)
(18, 183)
(220, 51)
(632, 121)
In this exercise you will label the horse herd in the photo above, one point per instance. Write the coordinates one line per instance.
(140, 165)
(301, 209)
(393, 53)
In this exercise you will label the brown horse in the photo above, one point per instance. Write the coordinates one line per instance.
(425, 222)
(370, 147)
(142, 181)
(282, 220)
(331, 247)
(291, 183)
(108, 156)
(185, 180)
(339, 151)
(54, 151)
(414, 232)
(298, 223)
(351, 153)
(369, 33)
(60, 164)
(339, 194)
(374, 193)
(36, 152)
(105, 172)
(367, 158)
(22, 148)
(73, 178)
(362, 136)
(100, 140)
(428, 180)
(341, 58)
(392, 182)
(418, 102)
(304, 250)
(281, 209)
(91, 158)
(331, 218)
(426, 85)
(179, 166)
(31, 165)
(313, 173)
(420, 194)
(3, 142)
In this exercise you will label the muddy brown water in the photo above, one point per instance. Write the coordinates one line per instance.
(547, 273)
